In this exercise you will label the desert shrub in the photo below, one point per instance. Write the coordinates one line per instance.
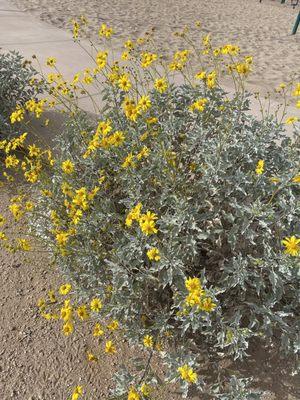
(17, 78)
(175, 214)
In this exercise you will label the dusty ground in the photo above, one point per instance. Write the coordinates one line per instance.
(261, 29)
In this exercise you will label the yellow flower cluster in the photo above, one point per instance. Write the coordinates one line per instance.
(153, 254)
(197, 296)
(146, 221)
(68, 313)
(101, 59)
(132, 110)
(145, 390)
(31, 166)
(199, 105)
(187, 373)
(179, 61)
(36, 106)
(105, 31)
(147, 59)
(17, 115)
(102, 139)
(76, 28)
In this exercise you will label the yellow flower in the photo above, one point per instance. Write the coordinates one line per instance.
(147, 59)
(75, 32)
(146, 390)
(292, 245)
(98, 330)
(128, 161)
(144, 103)
(67, 167)
(113, 325)
(91, 357)
(199, 105)
(3, 236)
(291, 120)
(211, 80)
(62, 238)
(125, 55)
(47, 316)
(161, 85)
(24, 245)
(80, 198)
(147, 223)
(200, 75)
(124, 82)
(260, 167)
(17, 115)
(193, 284)
(116, 139)
(109, 347)
(68, 328)
(82, 312)
(207, 305)
(148, 341)
(153, 254)
(29, 206)
(206, 40)
(96, 305)
(77, 217)
(133, 395)
(87, 79)
(274, 179)
(144, 153)
(132, 113)
(41, 304)
(78, 391)
(216, 52)
(105, 31)
(296, 91)
(243, 68)
(134, 214)
(11, 161)
(128, 44)
(65, 289)
(187, 373)
(66, 311)
(66, 189)
(51, 61)
(151, 120)
(101, 59)
(230, 49)
(193, 299)
(296, 179)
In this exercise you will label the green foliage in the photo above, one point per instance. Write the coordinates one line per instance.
(217, 220)
(17, 85)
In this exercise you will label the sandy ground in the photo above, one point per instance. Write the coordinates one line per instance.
(261, 29)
